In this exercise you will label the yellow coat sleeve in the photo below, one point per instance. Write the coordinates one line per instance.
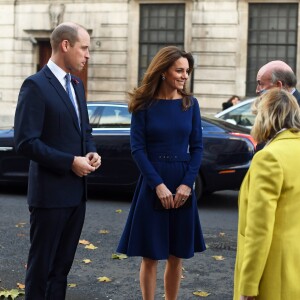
(265, 181)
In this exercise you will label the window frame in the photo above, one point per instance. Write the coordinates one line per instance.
(256, 57)
(142, 66)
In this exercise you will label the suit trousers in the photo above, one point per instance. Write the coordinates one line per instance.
(54, 236)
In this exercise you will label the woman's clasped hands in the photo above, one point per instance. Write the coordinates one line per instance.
(169, 200)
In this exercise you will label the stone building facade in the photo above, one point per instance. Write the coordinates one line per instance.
(215, 31)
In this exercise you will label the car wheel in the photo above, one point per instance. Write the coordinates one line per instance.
(198, 187)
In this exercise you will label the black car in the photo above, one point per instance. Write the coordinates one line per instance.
(228, 150)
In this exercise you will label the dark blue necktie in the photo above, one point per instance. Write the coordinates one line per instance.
(69, 91)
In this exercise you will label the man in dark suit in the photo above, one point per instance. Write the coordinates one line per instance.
(52, 129)
(277, 73)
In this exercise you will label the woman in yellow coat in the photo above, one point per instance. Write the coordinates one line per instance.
(268, 252)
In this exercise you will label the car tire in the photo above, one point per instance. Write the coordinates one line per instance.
(198, 187)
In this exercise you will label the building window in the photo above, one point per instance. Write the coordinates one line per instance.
(272, 35)
(160, 25)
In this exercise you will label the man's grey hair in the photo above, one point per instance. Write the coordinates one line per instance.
(287, 78)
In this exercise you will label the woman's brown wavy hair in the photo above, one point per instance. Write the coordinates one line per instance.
(142, 96)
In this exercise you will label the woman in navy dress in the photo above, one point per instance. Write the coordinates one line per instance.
(166, 143)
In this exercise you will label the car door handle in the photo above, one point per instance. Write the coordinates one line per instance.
(6, 148)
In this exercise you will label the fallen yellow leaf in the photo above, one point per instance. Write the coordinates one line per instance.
(118, 211)
(221, 233)
(84, 242)
(119, 256)
(86, 261)
(218, 257)
(91, 247)
(103, 231)
(21, 286)
(72, 285)
(201, 294)
(13, 294)
(104, 279)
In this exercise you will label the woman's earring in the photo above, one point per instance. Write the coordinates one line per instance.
(163, 77)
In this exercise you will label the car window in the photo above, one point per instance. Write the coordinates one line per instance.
(109, 116)
(240, 116)
(94, 115)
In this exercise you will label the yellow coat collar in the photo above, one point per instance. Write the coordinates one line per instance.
(284, 134)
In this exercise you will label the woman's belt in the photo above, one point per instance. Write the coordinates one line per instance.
(169, 157)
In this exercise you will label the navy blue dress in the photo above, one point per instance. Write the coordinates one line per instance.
(166, 143)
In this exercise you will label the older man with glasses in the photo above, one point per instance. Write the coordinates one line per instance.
(277, 73)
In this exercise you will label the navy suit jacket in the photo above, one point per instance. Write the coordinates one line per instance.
(48, 133)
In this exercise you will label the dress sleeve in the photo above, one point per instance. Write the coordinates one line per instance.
(195, 146)
(265, 184)
(138, 149)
